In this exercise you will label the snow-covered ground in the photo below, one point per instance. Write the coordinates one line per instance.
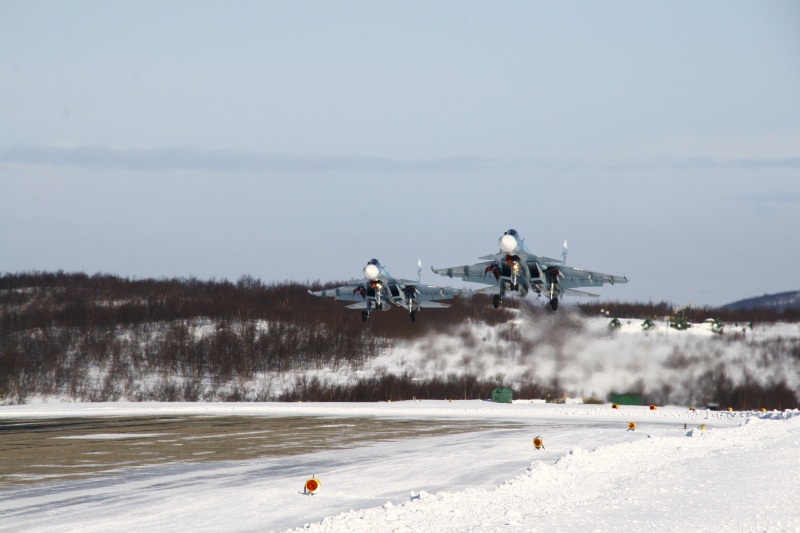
(740, 473)
(588, 359)
(582, 355)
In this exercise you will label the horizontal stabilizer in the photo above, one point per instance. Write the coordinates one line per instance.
(494, 289)
(573, 292)
(433, 305)
(326, 292)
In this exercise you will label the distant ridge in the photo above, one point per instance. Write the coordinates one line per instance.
(777, 302)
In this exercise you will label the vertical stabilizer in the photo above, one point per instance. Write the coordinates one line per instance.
(419, 270)
(564, 254)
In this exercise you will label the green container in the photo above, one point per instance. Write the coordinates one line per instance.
(502, 395)
(626, 399)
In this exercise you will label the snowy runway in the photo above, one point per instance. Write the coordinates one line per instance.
(740, 474)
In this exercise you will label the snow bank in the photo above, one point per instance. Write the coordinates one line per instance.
(743, 479)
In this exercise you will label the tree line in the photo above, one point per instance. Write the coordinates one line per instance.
(103, 338)
(662, 309)
(76, 300)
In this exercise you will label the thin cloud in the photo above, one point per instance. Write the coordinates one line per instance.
(166, 159)
(98, 157)
(699, 163)
(784, 197)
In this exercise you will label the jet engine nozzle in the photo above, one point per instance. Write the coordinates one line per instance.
(508, 243)
(372, 271)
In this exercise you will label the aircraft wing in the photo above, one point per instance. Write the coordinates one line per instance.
(348, 293)
(475, 273)
(433, 305)
(356, 292)
(576, 277)
(430, 293)
(426, 304)
(575, 292)
(491, 289)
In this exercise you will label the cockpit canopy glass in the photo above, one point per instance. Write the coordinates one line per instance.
(374, 262)
(513, 233)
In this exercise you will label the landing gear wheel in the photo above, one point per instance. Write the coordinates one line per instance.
(413, 316)
(496, 301)
(554, 303)
(364, 316)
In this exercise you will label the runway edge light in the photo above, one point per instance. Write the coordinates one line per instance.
(312, 485)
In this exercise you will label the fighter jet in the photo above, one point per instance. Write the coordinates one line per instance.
(378, 290)
(514, 269)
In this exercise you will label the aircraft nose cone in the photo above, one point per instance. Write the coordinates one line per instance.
(508, 243)
(371, 272)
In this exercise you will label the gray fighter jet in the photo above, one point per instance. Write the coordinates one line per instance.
(379, 290)
(514, 269)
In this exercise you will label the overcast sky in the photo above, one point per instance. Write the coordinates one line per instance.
(297, 140)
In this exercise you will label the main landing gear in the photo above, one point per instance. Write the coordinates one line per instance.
(365, 314)
(554, 294)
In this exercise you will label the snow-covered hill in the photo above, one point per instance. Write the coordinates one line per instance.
(588, 358)
(744, 365)
(74, 337)
(778, 302)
